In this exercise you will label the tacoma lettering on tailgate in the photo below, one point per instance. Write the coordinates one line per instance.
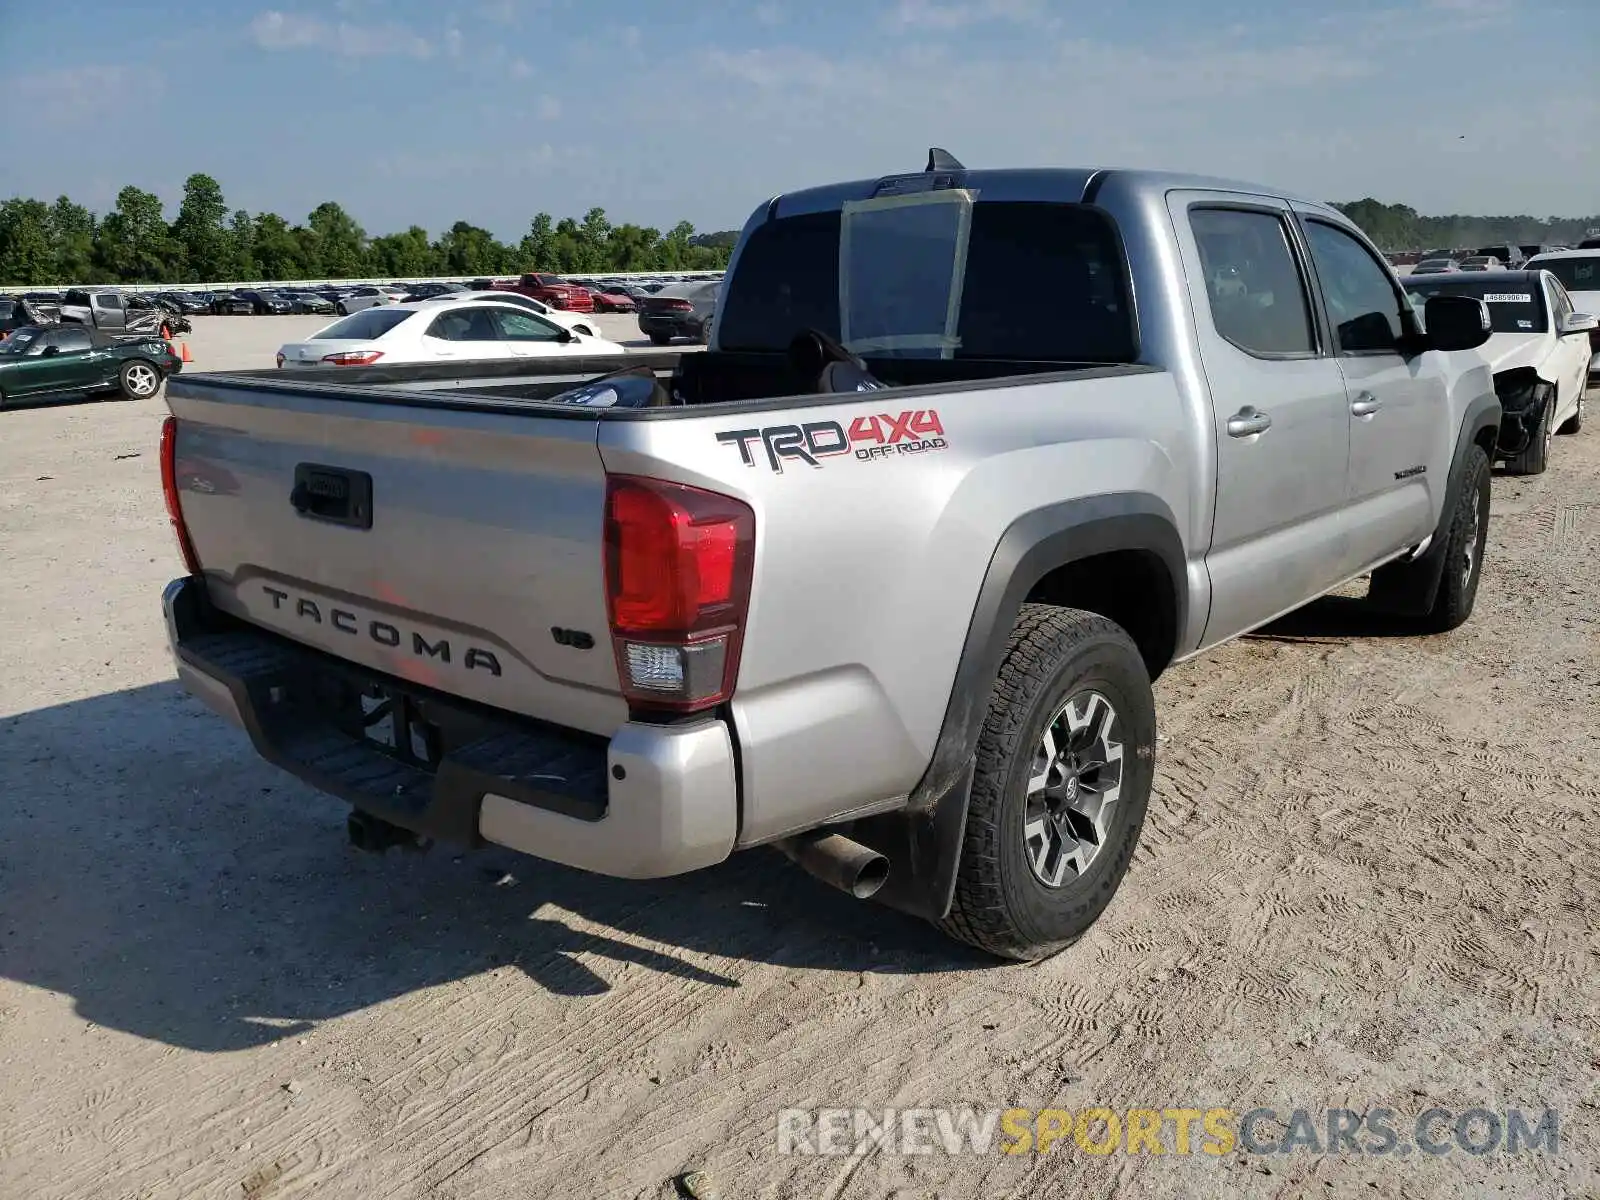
(385, 633)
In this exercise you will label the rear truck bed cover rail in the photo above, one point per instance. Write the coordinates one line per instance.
(896, 610)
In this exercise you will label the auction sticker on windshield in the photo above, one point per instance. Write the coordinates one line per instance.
(1508, 298)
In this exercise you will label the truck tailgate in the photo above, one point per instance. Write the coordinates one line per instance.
(473, 566)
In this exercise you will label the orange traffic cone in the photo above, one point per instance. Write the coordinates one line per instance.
(186, 356)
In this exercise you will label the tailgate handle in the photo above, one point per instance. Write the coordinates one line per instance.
(333, 494)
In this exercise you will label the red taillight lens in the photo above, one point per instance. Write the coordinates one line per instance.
(169, 487)
(677, 305)
(353, 358)
(678, 567)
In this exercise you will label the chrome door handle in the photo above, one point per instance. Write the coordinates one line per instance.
(1248, 422)
(1365, 405)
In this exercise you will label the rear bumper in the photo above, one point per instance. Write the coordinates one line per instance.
(653, 801)
(687, 325)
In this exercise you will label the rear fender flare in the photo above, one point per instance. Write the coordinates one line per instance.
(923, 840)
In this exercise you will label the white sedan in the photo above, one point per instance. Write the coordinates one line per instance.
(1538, 351)
(440, 331)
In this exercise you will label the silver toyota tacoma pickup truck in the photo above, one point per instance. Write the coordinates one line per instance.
(881, 578)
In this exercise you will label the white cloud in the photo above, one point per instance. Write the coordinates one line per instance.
(548, 108)
(520, 69)
(69, 95)
(274, 30)
(453, 42)
(930, 15)
(769, 13)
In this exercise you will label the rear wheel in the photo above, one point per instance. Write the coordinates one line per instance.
(1464, 546)
(1065, 762)
(660, 339)
(139, 380)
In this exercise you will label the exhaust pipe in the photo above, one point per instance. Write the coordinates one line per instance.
(838, 861)
(374, 835)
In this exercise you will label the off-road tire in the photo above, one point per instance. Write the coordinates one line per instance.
(134, 379)
(1535, 456)
(1053, 654)
(1574, 423)
(1458, 588)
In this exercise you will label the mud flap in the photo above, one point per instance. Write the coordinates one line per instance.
(923, 846)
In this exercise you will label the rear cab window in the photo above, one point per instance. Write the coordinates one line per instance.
(930, 283)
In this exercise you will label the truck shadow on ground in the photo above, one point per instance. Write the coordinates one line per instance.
(174, 886)
(1335, 619)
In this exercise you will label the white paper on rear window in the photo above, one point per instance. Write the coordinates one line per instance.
(902, 261)
(1508, 298)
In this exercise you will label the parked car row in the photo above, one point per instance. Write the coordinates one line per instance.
(1503, 257)
(462, 326)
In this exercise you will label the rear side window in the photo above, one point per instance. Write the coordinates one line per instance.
(363, 326)
(788, 281)
(1256, 292)
(466, 325)
(111, 300)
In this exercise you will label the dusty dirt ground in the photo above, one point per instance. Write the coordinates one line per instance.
(1368, 878)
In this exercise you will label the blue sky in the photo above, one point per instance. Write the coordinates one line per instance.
(429, 111)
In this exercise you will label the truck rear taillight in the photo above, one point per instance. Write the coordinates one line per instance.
(678, 566)
(674, 305)
(169, 487)
(353, 358)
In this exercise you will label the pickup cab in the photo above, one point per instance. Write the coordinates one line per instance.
(880, 579)
(552, 290)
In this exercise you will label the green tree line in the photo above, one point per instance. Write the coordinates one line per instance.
(1396, 227)
(60, 243)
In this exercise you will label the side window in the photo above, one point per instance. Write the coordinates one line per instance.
(1257, 294)
(73, 341)
(523, 327)
(1362, 302)
(111, 300)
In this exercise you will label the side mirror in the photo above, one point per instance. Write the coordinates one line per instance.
(50, 352)
(1456, 322)
(1580, 323)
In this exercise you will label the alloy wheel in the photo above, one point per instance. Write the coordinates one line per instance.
(142, 380)
(1073, 786)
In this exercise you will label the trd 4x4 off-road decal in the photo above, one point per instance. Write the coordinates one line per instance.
(869, 439)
